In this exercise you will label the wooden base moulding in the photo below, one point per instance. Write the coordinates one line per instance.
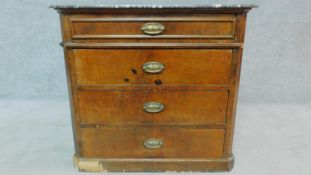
(153, 165)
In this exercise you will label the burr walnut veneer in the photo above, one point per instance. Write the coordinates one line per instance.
(153, 88)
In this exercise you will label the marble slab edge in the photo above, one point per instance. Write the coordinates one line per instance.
(207, 6)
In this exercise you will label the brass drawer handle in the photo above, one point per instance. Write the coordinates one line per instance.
(153, 28)
(153, 67)
(153, 107)
(153, 143)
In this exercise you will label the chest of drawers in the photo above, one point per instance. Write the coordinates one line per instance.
(153, 88)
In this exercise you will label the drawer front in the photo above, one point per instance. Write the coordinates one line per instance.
(203, 26)
(126, 66)
(142, 142)
(172, 106)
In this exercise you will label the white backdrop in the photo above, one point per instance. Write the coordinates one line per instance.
(273, 130)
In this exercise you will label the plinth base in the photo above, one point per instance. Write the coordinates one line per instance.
(153, 165)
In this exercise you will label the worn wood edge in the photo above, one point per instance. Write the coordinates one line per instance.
(152, 165)
(153, 37)
(170, 125)
(119, 87)
(152, 45)
(233, 93)
(71, 81)
(144, 19)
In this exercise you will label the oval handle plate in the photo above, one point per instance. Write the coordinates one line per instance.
(153, 107)
(153, 143)
(153, 67)
(153, 28)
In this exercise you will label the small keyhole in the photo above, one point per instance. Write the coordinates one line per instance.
(126, 80)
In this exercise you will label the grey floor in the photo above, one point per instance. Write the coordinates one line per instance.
(36, 138)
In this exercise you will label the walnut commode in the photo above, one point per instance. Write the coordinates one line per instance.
(153, 88)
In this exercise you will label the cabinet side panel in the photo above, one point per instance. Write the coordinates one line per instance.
(71, 81)
(233, 94)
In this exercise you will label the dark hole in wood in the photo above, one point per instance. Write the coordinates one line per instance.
(126, 80)
(158, 82)
(134, 71)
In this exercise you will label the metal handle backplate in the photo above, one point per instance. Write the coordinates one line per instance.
(153, 67)
(153, 107)
(153, 143)
(153, 28)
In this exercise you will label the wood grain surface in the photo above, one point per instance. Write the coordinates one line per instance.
(124, 66)
(129, 142)
(126, 107)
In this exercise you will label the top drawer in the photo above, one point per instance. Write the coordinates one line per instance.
(153, 28)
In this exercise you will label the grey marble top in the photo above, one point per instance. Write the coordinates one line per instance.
(208, 4)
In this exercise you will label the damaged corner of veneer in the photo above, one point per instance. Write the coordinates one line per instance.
(88, 165)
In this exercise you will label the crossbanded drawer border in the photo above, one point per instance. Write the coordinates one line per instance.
(231, 20)
(152, 45)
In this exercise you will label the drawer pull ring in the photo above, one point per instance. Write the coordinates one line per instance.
(153, 107)
(153, 67)
(153, 143)
(153, 28)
